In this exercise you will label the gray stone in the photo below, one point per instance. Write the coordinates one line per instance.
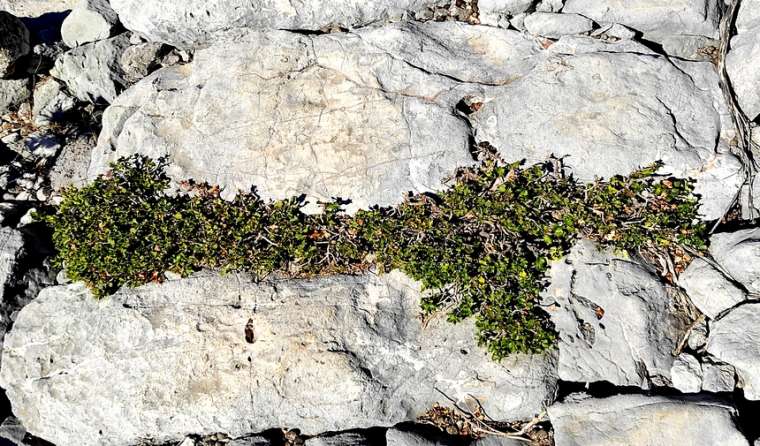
(70, 168)
(550, 5)
(750, 197)
(12, 431)
(89, 21)
(327, 355)
(365, 116)
(637, 420)
(51, 102)
(686, 374)
(556, 25)
(718, 377)
(402, 437)
(140, 60)
(744, 57)
(698, 335)
(739, 255)
(183, 23)
(708, 289)
(36, 8)
(697, 48)
(615, 320)
(615, 31)
(11, 249)
(659, 21)
(748, 15)
(493, 440)
(611, 108)
(249, 441)
(13, 93)
(14, 42)
(93, 72)
(344, 439)
(498, 12)
(735, 340)
(20, 277)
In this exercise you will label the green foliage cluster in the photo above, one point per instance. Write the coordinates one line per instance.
(481, 248)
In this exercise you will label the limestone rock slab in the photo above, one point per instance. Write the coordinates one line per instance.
(735, 340)
(166, 361)
(610, 108)
(185, 23)
(615, 320)
(365, 116)
(637, 420)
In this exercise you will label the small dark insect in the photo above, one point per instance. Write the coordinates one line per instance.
(249, 336)
(599, 312)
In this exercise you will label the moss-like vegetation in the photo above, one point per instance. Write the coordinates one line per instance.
(482, 248)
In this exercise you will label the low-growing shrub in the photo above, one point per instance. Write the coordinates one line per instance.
(481, 248)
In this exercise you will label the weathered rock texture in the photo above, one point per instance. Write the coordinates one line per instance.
(637, 420)
(738, 253)
(210, 354)
(744, 57)
(11, 248)
(616, 321)
(21, 278)
(189, 22)
(51, 102)
(611, 108)
(709, 289)
(13, 92)
(498, 12)
(735, 339)
(365, 116)
(36, 8)
(369, 116)
(93, 71)
(686, 374)
(14, 42)
(90, 21)
(677, 25)
(555, 25)
(718, 377)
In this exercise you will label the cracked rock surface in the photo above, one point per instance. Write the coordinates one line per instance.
(735, 339)
(638, 420)
(368, 100)
(326, 355)
(745, 54)
(189, 22)
(616, 321)
(662, 22)
(611, 107)
(366, 116)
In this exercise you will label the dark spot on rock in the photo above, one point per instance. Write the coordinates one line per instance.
(249, 335)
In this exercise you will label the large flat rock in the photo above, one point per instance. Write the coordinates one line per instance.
(657, 19)
(735, 339)
(365, 116)
(210, 354)
(738, 253)
(189, 22)
(616, 321)
(36, 8)
(611, 108)
(638, 420)
(744, 57)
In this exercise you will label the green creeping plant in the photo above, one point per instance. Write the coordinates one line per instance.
(481, 249)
